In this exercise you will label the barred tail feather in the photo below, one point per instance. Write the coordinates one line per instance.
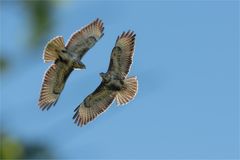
(53, 48)
(128, 91)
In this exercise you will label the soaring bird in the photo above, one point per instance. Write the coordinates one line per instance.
(114, 85)
(66, 59)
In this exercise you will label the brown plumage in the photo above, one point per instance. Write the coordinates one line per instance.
(66, 58)
(115, 83)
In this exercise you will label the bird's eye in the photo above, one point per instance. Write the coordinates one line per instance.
(64, 51)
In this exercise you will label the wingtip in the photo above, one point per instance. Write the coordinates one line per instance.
(98, 22)
(76, 117)
(128, 34)
(101, 35)
(45, 106)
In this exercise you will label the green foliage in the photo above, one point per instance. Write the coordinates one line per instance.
(14, 149)
(40, 15)
(10, 148)
(3, 64)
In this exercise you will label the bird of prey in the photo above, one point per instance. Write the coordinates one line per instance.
(66, 59)
(115, 84)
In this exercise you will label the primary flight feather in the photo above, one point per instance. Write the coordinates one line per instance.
(66, 59)
(115, 84)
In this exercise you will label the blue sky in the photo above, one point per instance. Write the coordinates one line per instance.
(187, 63)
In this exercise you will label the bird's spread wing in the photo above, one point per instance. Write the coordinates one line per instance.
(81, 41)
(53, 84)
(122, 54)
(93, 105)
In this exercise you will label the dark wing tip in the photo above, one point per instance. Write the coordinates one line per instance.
(128, 34)
(101, 35)
(45, 105)
(76, 108)
(102, 29)
(126, 41)
(76, 117)
(99, 23)
(86, 115)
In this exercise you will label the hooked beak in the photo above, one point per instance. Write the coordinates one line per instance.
(101, 74)
(82, 65)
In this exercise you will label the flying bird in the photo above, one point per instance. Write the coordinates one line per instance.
(66, 59)
(115, 84)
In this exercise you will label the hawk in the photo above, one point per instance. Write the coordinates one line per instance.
(115, 84)
(66, 59)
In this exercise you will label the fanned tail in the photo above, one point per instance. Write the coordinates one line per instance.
(53, 48)
(128, 92)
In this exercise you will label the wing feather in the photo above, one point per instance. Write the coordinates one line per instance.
(93, 105)
(53, 84)
(52, 49)
(84, 39)
(122, 54)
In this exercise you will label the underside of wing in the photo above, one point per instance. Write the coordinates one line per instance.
(53, 84)
(93, 105)
(84, 39)
(122, 53)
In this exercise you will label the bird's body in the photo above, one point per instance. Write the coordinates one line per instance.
(70, 60)
(112, 81)
(66, 59)
(115, 84)
(63, 70)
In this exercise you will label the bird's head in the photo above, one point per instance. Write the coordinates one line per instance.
(104, 76)
(82, 66)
